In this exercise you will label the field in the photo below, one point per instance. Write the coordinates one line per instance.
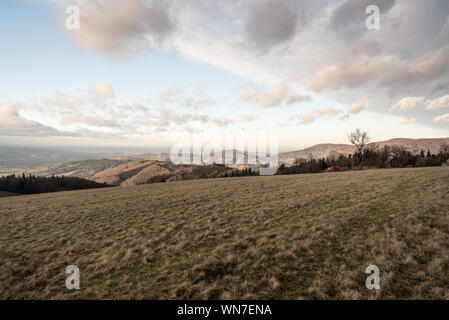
(279, 237)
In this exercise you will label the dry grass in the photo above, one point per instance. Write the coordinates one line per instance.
(281, 237)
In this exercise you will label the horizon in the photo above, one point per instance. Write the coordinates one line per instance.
(314, 73)
(89, 149)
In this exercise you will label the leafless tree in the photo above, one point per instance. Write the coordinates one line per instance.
(359, 139)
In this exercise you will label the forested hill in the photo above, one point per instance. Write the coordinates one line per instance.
(31, 184)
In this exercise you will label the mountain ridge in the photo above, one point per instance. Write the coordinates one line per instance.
(90, 168)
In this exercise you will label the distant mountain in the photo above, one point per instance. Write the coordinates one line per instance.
(80, 169)
(15, 159)
(12, 157)
(316, 151)
(416, 145)
(324, 150)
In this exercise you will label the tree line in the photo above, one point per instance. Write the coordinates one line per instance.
(368, 155)
(30, 184)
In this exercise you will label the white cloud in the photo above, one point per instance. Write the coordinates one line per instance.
(168, 116)
(13, 124)
(274, 97)
(249, 118)
(442, 118)
(223, 121)
(103, 91)
(172, 95)
(350, 75)
(93, 121)
(196, 100)
(437, 104)
(312, 116)
(358, 106)
(407, 103)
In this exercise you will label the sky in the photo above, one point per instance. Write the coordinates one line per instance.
(143, 73)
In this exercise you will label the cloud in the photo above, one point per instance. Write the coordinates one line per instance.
(201, 118)
(308, 118)
(168, 116)
(248, 97)
(437, 104)
(65, 101)
(172, 95)
(222, 121)
(94, 121)
(407, 103)
(350, 15)
(13, 124)
(103, 91)
(430, 66)
(312, 116)
(198, 102)
(349, 75)
(122, 27)
(9, 109)
(442, 118)
(197, 99)
(271, 23)
(275, 97)
(358, 106)
(249, 118)
(383, 65)
(297, 98)
(408, 120)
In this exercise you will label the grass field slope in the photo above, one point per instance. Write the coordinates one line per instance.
(277, 237)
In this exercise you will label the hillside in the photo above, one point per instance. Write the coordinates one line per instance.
(141, 172)
(278, 237)
(416, 145)
(324, 150)
(316, 151)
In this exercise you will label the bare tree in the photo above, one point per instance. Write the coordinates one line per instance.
(359, 139)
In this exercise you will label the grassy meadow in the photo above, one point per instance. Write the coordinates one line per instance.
(278, 237)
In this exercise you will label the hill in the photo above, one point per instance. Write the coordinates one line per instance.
(277, 237)
(141, 172)
(324, 150)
